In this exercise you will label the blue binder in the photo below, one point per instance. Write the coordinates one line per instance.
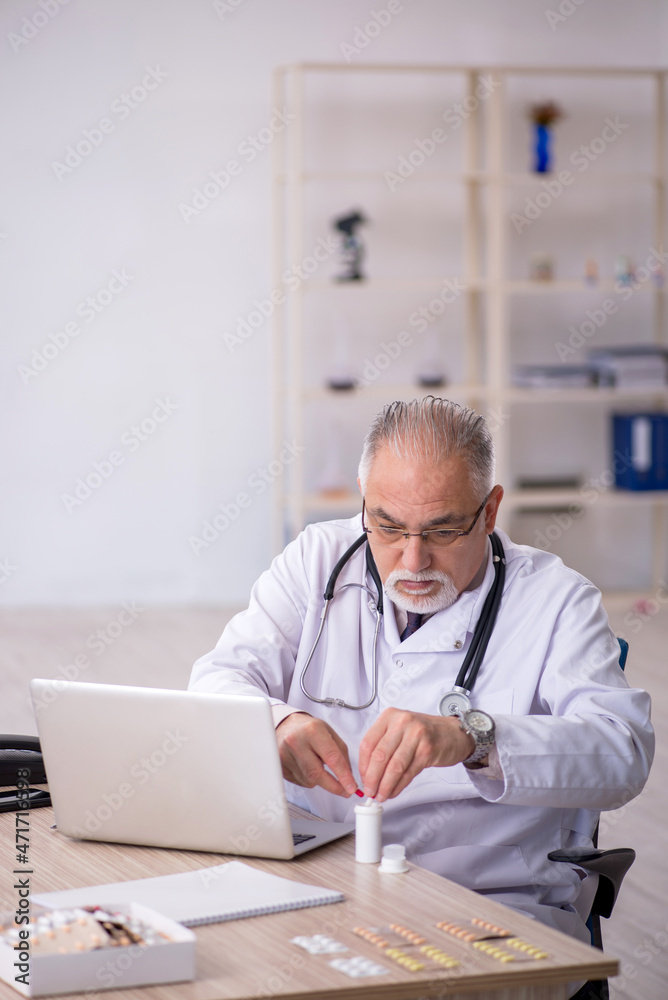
(640, 449)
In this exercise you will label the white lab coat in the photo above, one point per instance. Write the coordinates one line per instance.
(572, 736)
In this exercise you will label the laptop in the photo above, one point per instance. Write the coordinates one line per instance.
(163, 768)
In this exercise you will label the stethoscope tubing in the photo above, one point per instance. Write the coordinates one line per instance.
(474, 657)
(328, 597)
(483, 630)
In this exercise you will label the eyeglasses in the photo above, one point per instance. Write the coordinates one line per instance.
(436, 537)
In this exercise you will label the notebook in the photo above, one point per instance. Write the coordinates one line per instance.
(162, 768)
(210, 895)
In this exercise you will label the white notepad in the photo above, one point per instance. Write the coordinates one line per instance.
(206, 896)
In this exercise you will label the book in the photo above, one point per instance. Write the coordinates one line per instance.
(206, 896)
(554, 376)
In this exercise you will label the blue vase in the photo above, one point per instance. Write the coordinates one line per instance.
(542, 149)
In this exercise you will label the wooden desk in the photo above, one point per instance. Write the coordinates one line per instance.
(255, 958)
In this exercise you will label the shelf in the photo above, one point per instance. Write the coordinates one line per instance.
(501, 314)
(351, 503)
(481, 68)
(585, 176)
(593, 395)
(392, 391)
(537, 499)
(423, 176)
(557, 286)
(560, 286)
(393, 284)
(510, 394)
(475, 176)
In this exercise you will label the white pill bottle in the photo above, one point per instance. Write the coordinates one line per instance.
(368, 832)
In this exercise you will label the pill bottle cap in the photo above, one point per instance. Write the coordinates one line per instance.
(394, 859)
(368, 808)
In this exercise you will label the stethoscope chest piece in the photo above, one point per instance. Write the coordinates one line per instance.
(454, 703)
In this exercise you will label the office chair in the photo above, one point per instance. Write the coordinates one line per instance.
(611, 866)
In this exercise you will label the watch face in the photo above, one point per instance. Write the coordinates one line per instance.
(481, 722)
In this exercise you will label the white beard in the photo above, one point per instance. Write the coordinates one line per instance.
(423, 604)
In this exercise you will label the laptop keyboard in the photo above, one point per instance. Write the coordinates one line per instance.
(300, 838)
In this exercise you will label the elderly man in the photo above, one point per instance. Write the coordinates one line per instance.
(478, 788)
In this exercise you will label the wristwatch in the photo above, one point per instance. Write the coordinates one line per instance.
(481, 727)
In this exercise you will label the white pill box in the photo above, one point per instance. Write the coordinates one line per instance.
(115, 968)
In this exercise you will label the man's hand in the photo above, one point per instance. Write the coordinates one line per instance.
(401, 744)
(306, 745)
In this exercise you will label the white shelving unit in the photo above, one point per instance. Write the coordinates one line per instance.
(447, 224)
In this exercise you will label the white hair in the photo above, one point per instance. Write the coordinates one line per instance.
(432, 429)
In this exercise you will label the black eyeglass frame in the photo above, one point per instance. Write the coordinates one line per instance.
(424, 535)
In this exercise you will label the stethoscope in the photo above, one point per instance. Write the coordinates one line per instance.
(454, 702)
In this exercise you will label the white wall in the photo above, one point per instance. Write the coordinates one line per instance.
(64, 233)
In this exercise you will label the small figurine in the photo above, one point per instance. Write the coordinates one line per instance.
(544, 116)
(430, 374)
(341, 378)
(591, 271)
(353, 248)
(624, 270)
(542, 267)
(333, 481)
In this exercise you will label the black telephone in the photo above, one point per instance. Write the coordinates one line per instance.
(21, 763)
